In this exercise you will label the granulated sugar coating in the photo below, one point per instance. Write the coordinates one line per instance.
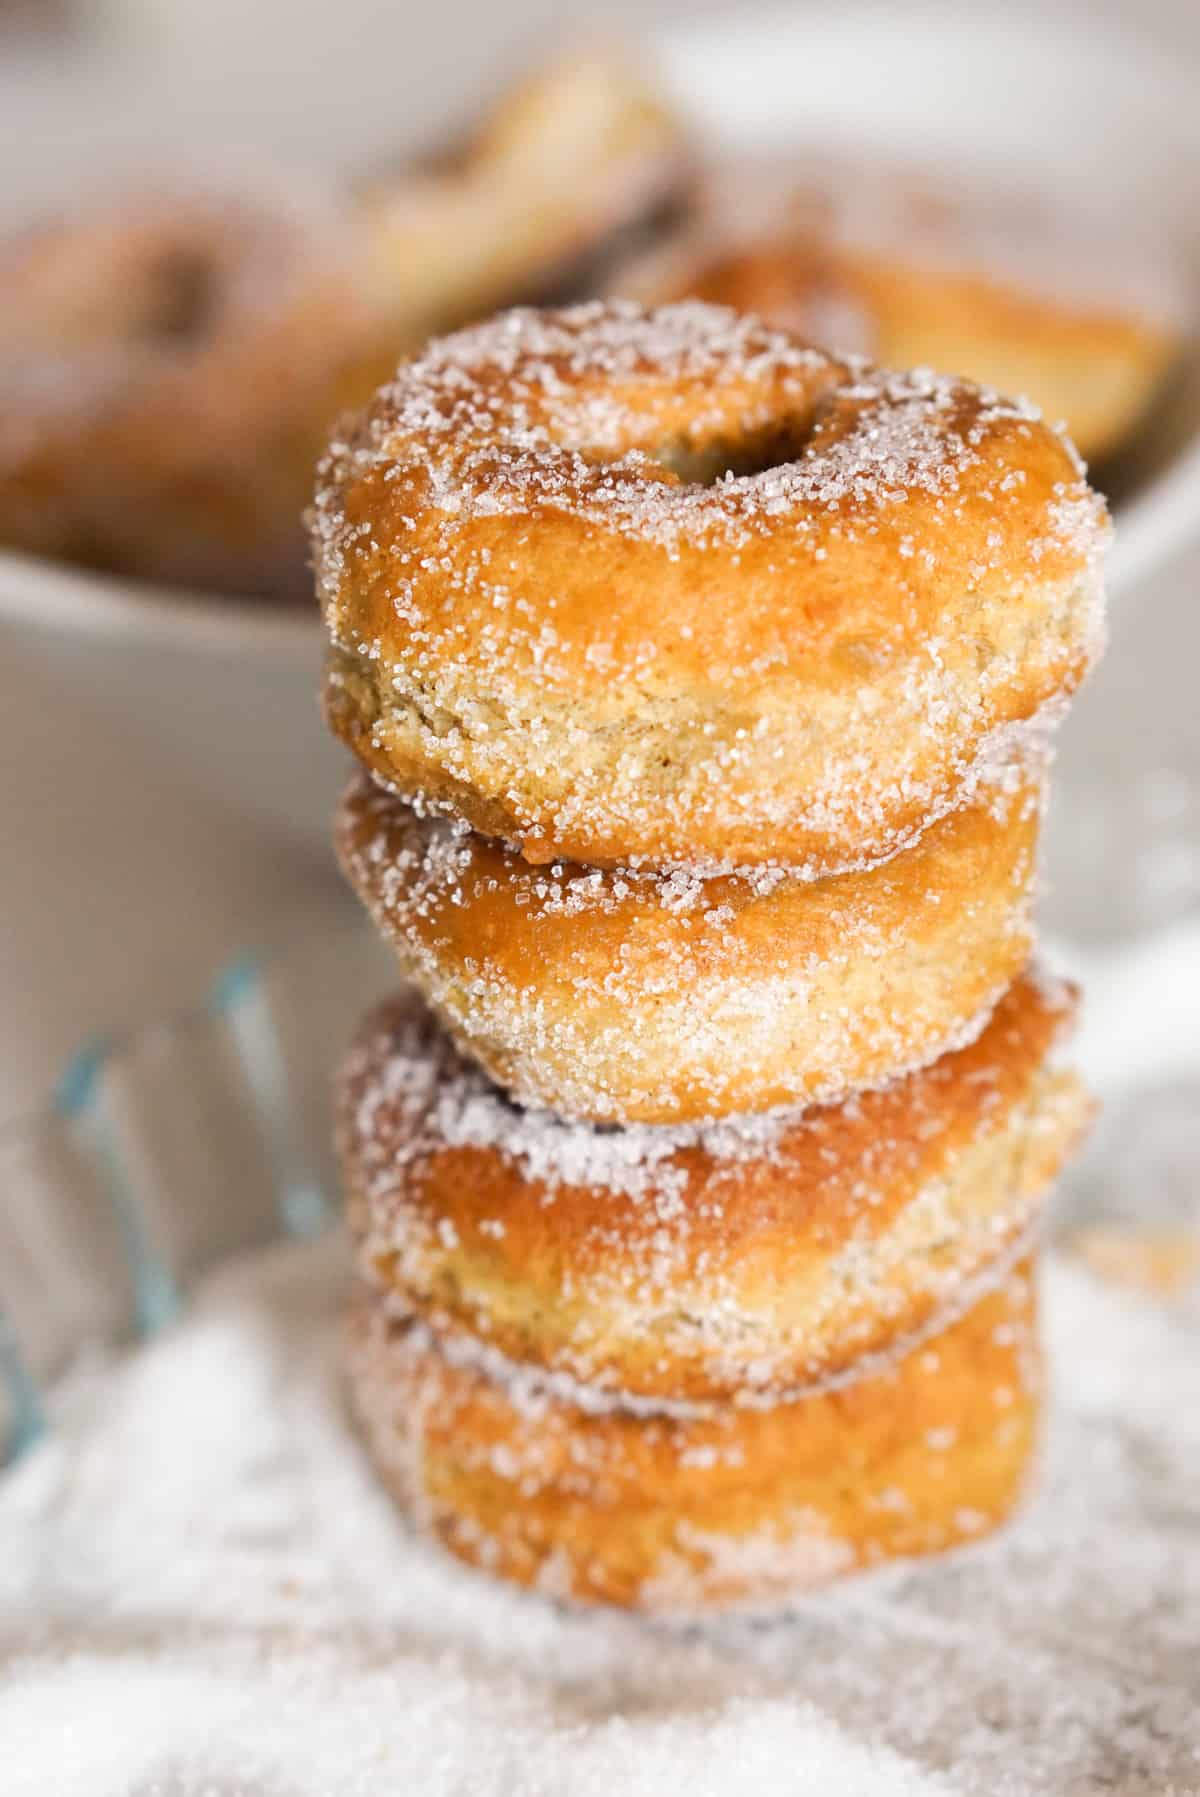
(748, 992)
(542, 406)
(738, 1260)
(722, 1507)
(203, 1593)
(674, 589)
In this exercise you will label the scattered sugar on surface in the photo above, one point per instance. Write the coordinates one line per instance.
(203, 1591)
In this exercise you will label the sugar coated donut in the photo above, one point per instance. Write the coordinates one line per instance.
(745, 991)
(749, 1256)
(686, 1512)
(170, 366)
(676, 589)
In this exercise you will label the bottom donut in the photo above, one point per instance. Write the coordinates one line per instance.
(687, 1508)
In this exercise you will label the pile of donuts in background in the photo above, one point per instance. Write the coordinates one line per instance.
(702, 683)
(174, 359)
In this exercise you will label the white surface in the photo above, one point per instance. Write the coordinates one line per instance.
(203, 1594)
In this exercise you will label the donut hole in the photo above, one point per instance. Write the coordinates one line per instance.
(720, 459)
(146, 294)
(179, 296)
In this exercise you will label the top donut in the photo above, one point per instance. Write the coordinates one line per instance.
(671, 588)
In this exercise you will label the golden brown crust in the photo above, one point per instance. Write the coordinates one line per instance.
(747, 993)
(750, 1255)
(169, 370)
(804, 663)
(736, 1507)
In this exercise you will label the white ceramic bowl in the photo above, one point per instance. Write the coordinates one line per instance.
(229, 691)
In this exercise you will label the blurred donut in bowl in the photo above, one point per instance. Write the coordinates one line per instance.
(871, 581)
(170, 365)
(570, 168)
(920, 273)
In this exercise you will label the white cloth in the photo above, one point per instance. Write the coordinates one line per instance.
(203, 1594)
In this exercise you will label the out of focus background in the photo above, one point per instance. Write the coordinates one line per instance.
(248, 211)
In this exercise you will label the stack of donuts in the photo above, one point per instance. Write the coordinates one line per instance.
(702, 684)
